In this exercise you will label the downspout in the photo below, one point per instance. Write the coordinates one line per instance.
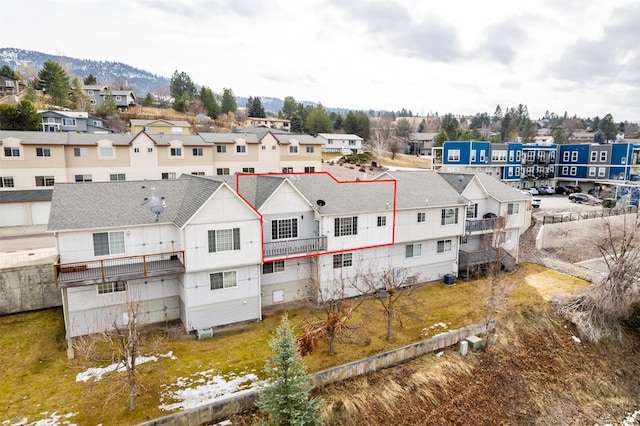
(67, 323)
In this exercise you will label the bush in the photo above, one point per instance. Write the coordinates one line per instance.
(364, 157)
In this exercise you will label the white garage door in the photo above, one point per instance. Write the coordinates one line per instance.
(40, 213)
(12, 214)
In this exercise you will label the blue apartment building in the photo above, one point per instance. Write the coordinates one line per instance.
(543, 163)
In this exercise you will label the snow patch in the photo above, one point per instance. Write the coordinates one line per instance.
(630, 420)
(576, 339)
(54, 419)
(204, 387)
(98, 373)
(438, 325)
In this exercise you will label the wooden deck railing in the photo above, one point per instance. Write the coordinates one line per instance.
(296, 246)
(118, 268)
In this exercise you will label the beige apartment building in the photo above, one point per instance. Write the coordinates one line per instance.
(31, 161)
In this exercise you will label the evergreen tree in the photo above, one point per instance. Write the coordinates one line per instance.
(255, 108)
(6, 71)
(285, 398)
(50, 70)
(289, 108)
(209, 101)
(148, 100)
(229, 103)
(318, 121)
(598, 137)
(23, 116)
(109, 107)
(182, 90)
(79, 97)
(90, 80)
(297, 123)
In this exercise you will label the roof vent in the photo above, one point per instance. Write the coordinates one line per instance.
(320, 203)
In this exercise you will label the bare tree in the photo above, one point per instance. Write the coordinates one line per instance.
(389, 286)
(380, 136)
(599, 312)
(395, 146)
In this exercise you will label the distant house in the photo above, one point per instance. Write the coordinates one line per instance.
(344, 143)
(269, 122)
(421, 143)
(161, 127)
(579, 137)
(97, 94)
(71, 121)
(10, 86)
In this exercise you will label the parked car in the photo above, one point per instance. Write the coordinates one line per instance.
(574, 188)
(532, 190)
(563, 190)
(584, 199)
(543, 190)
(535, 202)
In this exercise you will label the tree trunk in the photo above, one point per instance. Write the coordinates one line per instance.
(332, 337)
(390, 313)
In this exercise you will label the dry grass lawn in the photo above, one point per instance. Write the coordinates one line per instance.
(38, 378)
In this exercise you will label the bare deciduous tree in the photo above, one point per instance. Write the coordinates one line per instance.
(380, 134)
(599, 311)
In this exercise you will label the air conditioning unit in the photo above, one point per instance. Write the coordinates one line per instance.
(449, 279)
(204, 333)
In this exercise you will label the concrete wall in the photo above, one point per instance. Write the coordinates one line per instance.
(243, 402)
(28, 287)
(566, 234)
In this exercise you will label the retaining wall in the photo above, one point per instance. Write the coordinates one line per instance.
(28, 287)
(567, 234)
(243, 402)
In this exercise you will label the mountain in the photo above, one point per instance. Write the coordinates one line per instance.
(107, 72)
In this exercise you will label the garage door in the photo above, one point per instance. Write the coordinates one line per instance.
(40, 213)
(12, 214)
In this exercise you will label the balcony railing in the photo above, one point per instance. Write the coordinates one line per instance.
(117, 269)
(296, 246)
(480, 225)
(468, 259)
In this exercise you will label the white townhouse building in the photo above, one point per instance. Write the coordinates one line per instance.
(214, 250)
(342, 143)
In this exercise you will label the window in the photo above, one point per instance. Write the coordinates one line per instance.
(71, 122)
(574, 156)
(513, 208)
(6, 182)
(118, 98)
(345, 226)
(43, 152)
(197, 173)
(453, 155)
(94, 102)
(382, 221)
(136, 150)
(413, 250)
(11, 151)
(226, 279)
(108, 243)
(284, 228)
(273, 147)
(342, 260)
(149, 150)
(90, 92)
(112, 287)
(573, 171)
(499, 155)
(168, 175)
(44, 181)
(309, 169)
(482, 155)
(565, 156)
(79, 152)
(510, 156)
(97, 123)
(444, 246)
(221, 149)
(473, 155)
(224, 240)
(310, 150)
(114, 177)
(293, 149)
(264, 147)
(464, 239)
(601, 171)
(197, 152)
(472, 211)
(517, 171)
(248, 170)
(106, 151)
(271, 267)
(175, 152)
(221, 172)
(594, 155)
(565, 170)
(287, 170)
(83, 178)
(518, 156)
(510, 172)
(603, 156)
(449, 216)
(592, 171)
(241, 149)
(422, 217)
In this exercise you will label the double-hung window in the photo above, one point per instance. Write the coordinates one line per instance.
(271, 267)
(10, 151)
(241, 149)
(198, 152)
(6, 182)
(175, 152)
(342, 260)
(224, 240)
(108, 243)
(284, 228)
(221, 149)
(413, 250)
(444, 246)
(45, 180)
(226, 279)
(43, 152)
(513, 208)
(345, 226)
(422, 217)
(382, 221)
(449, 216)
(112, 287)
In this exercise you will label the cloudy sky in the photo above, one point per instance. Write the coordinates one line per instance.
(458, 56)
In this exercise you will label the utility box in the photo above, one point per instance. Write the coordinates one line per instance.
(475, 342)
(204, 333)
(449, 279)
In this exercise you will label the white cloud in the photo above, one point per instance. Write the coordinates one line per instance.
(462, 57)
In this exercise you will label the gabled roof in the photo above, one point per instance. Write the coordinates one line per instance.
(187, 140)
(493, 187)
(340, 136)
(422, 188)
(287, 138)
(93, 138)
(257, 189)
(35, 138)
(68, 114)
(159, 123)
(20, 196)
(97, 205)
(228, 137)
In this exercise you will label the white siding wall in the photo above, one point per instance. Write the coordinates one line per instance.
(292, 284)
(408, 228)
(369, 233)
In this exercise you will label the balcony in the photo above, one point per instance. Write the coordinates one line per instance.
(482, 225)
(469, 259)
(117, 269)
(286, 248)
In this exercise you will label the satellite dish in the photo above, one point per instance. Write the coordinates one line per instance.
(320, 203)
(156, 203)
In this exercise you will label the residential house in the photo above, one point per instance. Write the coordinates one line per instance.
(160, 127)
(340, 143)
(268, 122)
(10, 86)
(97, 94)
(72, 121)
(421, 143)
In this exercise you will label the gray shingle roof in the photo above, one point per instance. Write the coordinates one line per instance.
(228, 137)
(257, 189)
(494, 187)
(29, 138)
(25, 195)
(303, 139)
(421, 188)
(92, 139)
(95, 205)
(187, 140)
